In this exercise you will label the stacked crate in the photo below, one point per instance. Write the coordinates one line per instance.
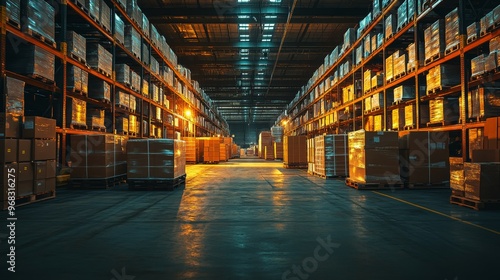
(403, 93)
(402, 15)
(399, 63)
(311, 156)
(483, 102)
(105, 15)
(265, 140)
(441, 76)
(457, 176)
(95, 118)
(123, 74)
(13, 10)
(39, 19)
(98, 157)
(398, 119)
(133, 41)
(452, 34)
(481, 181)
(444, 110)
(99, 90)
(390, 26)
(211, 150)
(100, 59)
(424, 158)
(35, 62)
(76, 113)
(278, 150)
(119, 29)
(42, 134)
(434, 41)
(77, 46)
(331, 155)
(374, 157)
(155, 160)
(295, 151)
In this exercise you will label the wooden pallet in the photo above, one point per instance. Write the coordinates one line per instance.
(42, 79)
(477, 77)
(97, 183)
(77, 58)
(40, 37)
(416, 186)
(437, 89)
(211, 162)
(106, 101)
(81, 6)
(409, 127)
(438, 123)
(389, 36)
(330, 176)
(102, 71)
(123, 132)
(32, 198)
(376, 108)
(98, 128)
(78, 126)
(123, 107)
(432, 59)
(295, 166)
(411, 69)
(400, 75)
(474, 204)
(75, 91)
(156, 184)
(373, 186)
(13, 23)
(452, 49)
(471, 39)
(132, 134)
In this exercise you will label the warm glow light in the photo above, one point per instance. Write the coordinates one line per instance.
(188, 113)
(284, 122)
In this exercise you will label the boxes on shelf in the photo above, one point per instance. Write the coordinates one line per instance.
(8, 147)
(492, 133)
(377, 80)
(76, 113)
(98, 156)
(424, 157)
(349, 38)
(477, 66)
(403, 92)
(133, 40)
(145, 88)
(441, 76)
(359, 55)
(155, 66)
(135, 81)
(481, 181)
(374, 157)
(155, 93)
(13, 101)
(402, 14)
(390, 26)
(123, 73)
(398, 119)
(93, 6)
(472, 31)
(444, 110)
(490, 62)
(452, 34)
(457, 176)
(367, 80)
(99, 58)
(77, 45)
(389, 68)
(13, 9)
(378, 123)
(74, 78)
(411, 9)
(434, 40)
(100, 90)
(377, 8)
(411, 117)
(34, 61)
(476, 140)
(486, 22)
(85, 82)
(278, 150)
(122, 125)
(377, 101)
(494, 44)
(155, 36)
(40, 19)
(95, 118)
(105, 16)
(119, 29)
(483, 102)
(399, 64)
(156, 159)
(145, 54)
(133, 124)
(145, 25)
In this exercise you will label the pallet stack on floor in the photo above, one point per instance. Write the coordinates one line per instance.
(266, 148)
(295, 152)
(155, 163)
(331, 156)
(98, 161)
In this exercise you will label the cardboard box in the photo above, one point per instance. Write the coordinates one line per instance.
(39, 170)
(481, 181)
(9, 126)
(25, 172)
(8, 148)
(457, 176)
(490, 155)
(39, 128)
(43, 149)
(39, 186)
(23, 150)
(24, 188)
(50, 184)
(295, 150)
(492, 133)
(51, 170)
(372, 139)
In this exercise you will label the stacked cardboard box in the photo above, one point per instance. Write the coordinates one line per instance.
(105, 15)
(424, 157)
(99, 58)
(398, 119)
(191, 149)
(483, 102)
(411, 117)
(434, 40)
(39, 18)
(123, 73)
(444, 75)
(452, 34)
(95, 118)
(265, 139)
(42, 133)
(278, 150)
(331, 155)
(13, 9)
(492, 133)
(295, 151)
(99, 89)
(223, 152)
(211, 149)
(34, 61)
(269, 152)
(402, 14)
(481, 181)
(100, 156)
(374, 157)
(311, 155)
(77, 45)
(156, 159)
(404, 93)
(457, 176)
(443, 110)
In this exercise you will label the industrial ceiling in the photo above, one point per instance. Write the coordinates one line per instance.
(252, 56)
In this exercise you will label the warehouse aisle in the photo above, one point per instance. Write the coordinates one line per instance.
(252, 219)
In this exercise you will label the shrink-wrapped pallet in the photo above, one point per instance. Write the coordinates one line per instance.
(119, 29)
(13, 98)
(477, 65)
(443, 110)
(122, 99)
(133, 40)
(402, 14)
(122, 73)
(99, 90)
(457, 176)
(74, 78)
(95, 118)
(76, 112)
(13, 9)
(404, 92)
(100, 58)
(105, 15)
(94, 7)
(34, 61)
(452, 34)
(39, 18)
(77, 45)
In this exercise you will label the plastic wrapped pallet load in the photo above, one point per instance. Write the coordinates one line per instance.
(95, 118)
(443, 110)
(40, 19)
(295, 151)
(389, 68)
(122, 73)
(99, 90)
(481, 181)
(77, 45)
(404, 92)
(34, 61)
(119, 29)
(424, 157)
(76, 112)
(402, 14)
(398, 119)
(93, 6)
(452, 34)
(14, 97)
(483, 102)
(457, 176)
(133, 40)
(13, 9)
(122, 99)
(191, 149)
(278, 150)
(156, 159)
(472, 31)
(98, 156)
(374, 157)
(265, 139)
(367, 80)
(390, 27)
(99, 58)
(331, 155)
(105, 15)
(490, 62)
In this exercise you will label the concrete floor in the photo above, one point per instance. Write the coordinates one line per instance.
(254, 220)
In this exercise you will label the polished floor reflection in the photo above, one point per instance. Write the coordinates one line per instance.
(253, 219)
